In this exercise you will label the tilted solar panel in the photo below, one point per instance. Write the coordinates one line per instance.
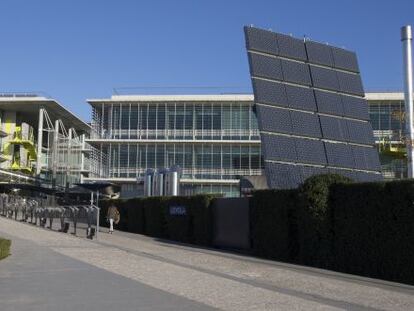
(329, 102)
(310, 151)
(339, 155)
(300, 97)
(291, 47)
(265, 66)
(350, 83)
(355, 107)
(360, 132)
(274, 119)
(270, 93)
(283, 176)
(324, 78)
(319, 53)
(344, 59)
(296, 72)
(261, 40)
(280, 148)
(305, 124)
(334, 128)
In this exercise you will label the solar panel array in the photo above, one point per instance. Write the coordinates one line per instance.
(311, 110)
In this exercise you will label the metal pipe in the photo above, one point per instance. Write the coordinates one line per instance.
(406, 38)
(39, 143)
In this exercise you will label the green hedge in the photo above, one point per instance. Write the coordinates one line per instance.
(374, 229)
(314, 224)
(4, 248)
(273, 224)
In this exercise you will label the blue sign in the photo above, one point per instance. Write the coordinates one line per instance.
(178, 210)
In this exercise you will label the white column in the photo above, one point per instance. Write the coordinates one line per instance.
(39, 142)
(406, 38)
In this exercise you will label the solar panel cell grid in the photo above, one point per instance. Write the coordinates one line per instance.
(261, 40)
(334, 128)
(355, 107)
(324, 78)
(360, 132)
(310, 151)
(280, 148)
(319, 53)
(339, 155)
(305, 124)
(274, 119)
(345, 59)
(329, 103)
(270, 93)
(350, 83)
(291, 47)
(300, 98)
(296, 72)
(265, 66)
(283, 176)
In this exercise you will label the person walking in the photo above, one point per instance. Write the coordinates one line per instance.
(113, 217)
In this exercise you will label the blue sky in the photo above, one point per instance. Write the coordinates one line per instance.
(74, 50)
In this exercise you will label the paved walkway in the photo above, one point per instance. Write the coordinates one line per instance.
(54, 271)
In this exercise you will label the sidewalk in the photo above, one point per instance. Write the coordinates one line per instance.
(189, 275)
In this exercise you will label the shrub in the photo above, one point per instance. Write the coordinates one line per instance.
(315, 232)
(274, 224)
(373, 229)
(4, 248)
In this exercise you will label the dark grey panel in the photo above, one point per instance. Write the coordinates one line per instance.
(265, 66)
(310, 151)
(281, 148)
(346, 173)
(308, 171)
(283, 176)
(350, 83)
(334, 128)
(366, 158)
(271, 93)
(360, 132)
(305, 124)
(274, 119)
(291, 47)
(324, 78)
(296, 72)
(339, 155)
(368, 177)
(355, 107)
(344, 59)
(319, 53)
(261, 40)
(329, 103)
(300, 98)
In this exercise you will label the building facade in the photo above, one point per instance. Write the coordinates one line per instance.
(386, 110)
(214, 139)
(41, 142)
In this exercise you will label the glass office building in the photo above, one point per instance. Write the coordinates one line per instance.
(214, 139)
(387, 116)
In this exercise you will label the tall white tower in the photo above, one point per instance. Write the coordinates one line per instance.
(407, 38)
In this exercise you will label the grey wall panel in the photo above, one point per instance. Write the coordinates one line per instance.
(324, 78)
(345, 59)
(339, 155)
(265, 66)
(261, 40)
(274, 119)
(360, 132)
(350, 83)
(319, 53)
(310, 151)
(366, 158)
(355, 107)
(283, 176)
(329, 103)
(305, 124)
(296, 72)
(291, 47)
(334, 128)
(271, 93)
(300, 98)
(280, 148)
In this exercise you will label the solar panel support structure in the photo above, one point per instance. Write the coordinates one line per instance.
(406, 38)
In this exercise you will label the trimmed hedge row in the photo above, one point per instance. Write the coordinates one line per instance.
(4, 248)
(328, 222)
(151, 216)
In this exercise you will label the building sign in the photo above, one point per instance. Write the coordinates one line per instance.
(178, 210)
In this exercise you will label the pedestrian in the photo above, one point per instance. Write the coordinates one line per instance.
(113, 217)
